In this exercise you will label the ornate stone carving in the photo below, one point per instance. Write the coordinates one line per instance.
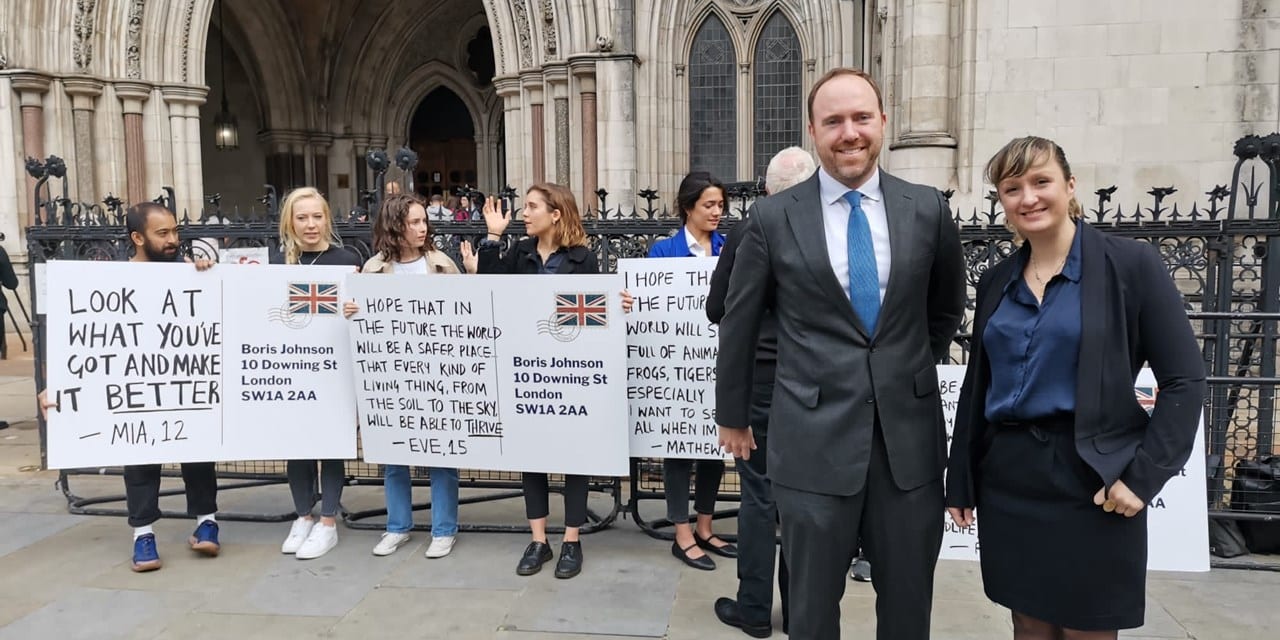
(82, 46)
(604, 44)
(497, 37)
(133, 40)
(562, 140)
(186, 37)
(523, 34)
(549, 28)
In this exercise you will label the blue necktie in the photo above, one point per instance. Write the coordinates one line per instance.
(864, 278)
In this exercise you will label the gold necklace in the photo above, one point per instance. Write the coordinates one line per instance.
(1035, 270)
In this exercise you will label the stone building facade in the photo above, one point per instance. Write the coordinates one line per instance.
(613, 94)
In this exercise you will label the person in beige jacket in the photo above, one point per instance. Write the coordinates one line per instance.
(402, 242)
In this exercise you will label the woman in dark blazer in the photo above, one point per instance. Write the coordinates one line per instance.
(557, 243)
(1050, 444)
(700, 200)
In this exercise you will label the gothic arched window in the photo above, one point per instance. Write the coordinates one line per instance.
(778, 105)
(713, 105)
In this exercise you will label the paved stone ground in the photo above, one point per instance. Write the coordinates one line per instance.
(67, 577)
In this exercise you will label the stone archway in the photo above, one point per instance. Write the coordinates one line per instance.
(444, 136)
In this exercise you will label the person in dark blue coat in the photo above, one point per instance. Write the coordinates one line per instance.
(700, 200)
(1051, 445)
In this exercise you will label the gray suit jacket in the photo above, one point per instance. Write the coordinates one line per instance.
(832, 378)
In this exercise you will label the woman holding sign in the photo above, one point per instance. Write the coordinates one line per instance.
(402, 239)
(701, 200)
(307, 237)
(557, 243)
(1050, 444)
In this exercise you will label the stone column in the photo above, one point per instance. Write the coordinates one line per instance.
(537, 134)
(320, 162)
(557, 83)
(84, 94)
(925, 134)
(132, 95)
(509, 90)
(587, 94)
(616, 91)
(184, 103)
(31, 87)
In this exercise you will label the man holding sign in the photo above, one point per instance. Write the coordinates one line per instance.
(153, 229)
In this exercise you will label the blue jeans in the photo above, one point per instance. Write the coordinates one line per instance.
(399, 495)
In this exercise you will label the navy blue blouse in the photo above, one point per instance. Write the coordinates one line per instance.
(1034, 349)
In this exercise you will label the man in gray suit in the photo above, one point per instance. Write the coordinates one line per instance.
(865, 275)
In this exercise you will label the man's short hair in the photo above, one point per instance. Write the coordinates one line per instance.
(436, 199)
(135, 218)
(844, 71)
(789, 167)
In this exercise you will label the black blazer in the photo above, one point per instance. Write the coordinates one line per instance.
(1131, 313)
(523, 259)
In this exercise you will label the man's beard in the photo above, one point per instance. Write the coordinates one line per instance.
(158, 254)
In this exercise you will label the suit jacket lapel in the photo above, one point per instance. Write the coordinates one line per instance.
(898, 209)
(1093, 300)
(804, 215)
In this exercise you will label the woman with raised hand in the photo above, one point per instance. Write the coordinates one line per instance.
(402, 240)
(700, 201)
(1050, 445)
(307, 237)
(556, 243)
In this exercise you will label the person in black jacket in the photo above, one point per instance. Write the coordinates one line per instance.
(1051, 445)
(557, 243)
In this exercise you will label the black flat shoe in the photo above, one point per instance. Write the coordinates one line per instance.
(570, 563)
(728, 612)
(535, 555)
(704, 563)
(727, 551)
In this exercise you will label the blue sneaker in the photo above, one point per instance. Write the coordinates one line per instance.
(205, 538)
(145, 556)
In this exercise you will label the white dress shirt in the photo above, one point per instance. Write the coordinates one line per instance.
(835, 221)
(695, 247)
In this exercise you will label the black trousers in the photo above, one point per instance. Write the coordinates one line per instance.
(142, 491)
(537, 498)
(757, 539)
(675, 483)
(901, 535)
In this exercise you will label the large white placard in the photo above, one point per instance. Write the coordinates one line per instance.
(159, 363)
(1177, 518)
(510, 373)
(671, 359)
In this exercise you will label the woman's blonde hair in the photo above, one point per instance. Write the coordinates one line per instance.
(289, 242)
(568, 231)
(1019, 156)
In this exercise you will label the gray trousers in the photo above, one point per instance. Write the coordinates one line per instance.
(303, 484)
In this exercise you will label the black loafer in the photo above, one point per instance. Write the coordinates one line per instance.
(727, 551)
(535, 555)
(728, 612)
(570, 563)
(704, 563)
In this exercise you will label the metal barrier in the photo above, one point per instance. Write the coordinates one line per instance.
(1217, 252)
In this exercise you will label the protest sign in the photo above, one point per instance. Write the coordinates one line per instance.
(1177, 518)
(671, 359)
(511, 373)
(159, 363)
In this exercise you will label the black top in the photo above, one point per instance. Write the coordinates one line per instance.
(523, 258)
(334, 255)
(767, 346)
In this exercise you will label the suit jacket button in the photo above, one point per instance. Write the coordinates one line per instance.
(871, 400)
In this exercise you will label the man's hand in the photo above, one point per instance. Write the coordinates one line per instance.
(1119, 499)
(962, 517)
(738, 442)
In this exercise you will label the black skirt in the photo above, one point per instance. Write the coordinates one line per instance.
(1046, 550)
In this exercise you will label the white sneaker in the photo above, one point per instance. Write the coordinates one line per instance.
(440, 547)
(389, 543)
(323, 538)
(297, 535)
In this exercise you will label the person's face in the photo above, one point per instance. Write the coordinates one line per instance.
(158, 242)
(415, 227)
(1037, 201)
(539, 217)
(464, 202)
(847, 128)
(309, 223)
(706, 212)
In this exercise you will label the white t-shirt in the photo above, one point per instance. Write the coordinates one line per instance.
(418, 266)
